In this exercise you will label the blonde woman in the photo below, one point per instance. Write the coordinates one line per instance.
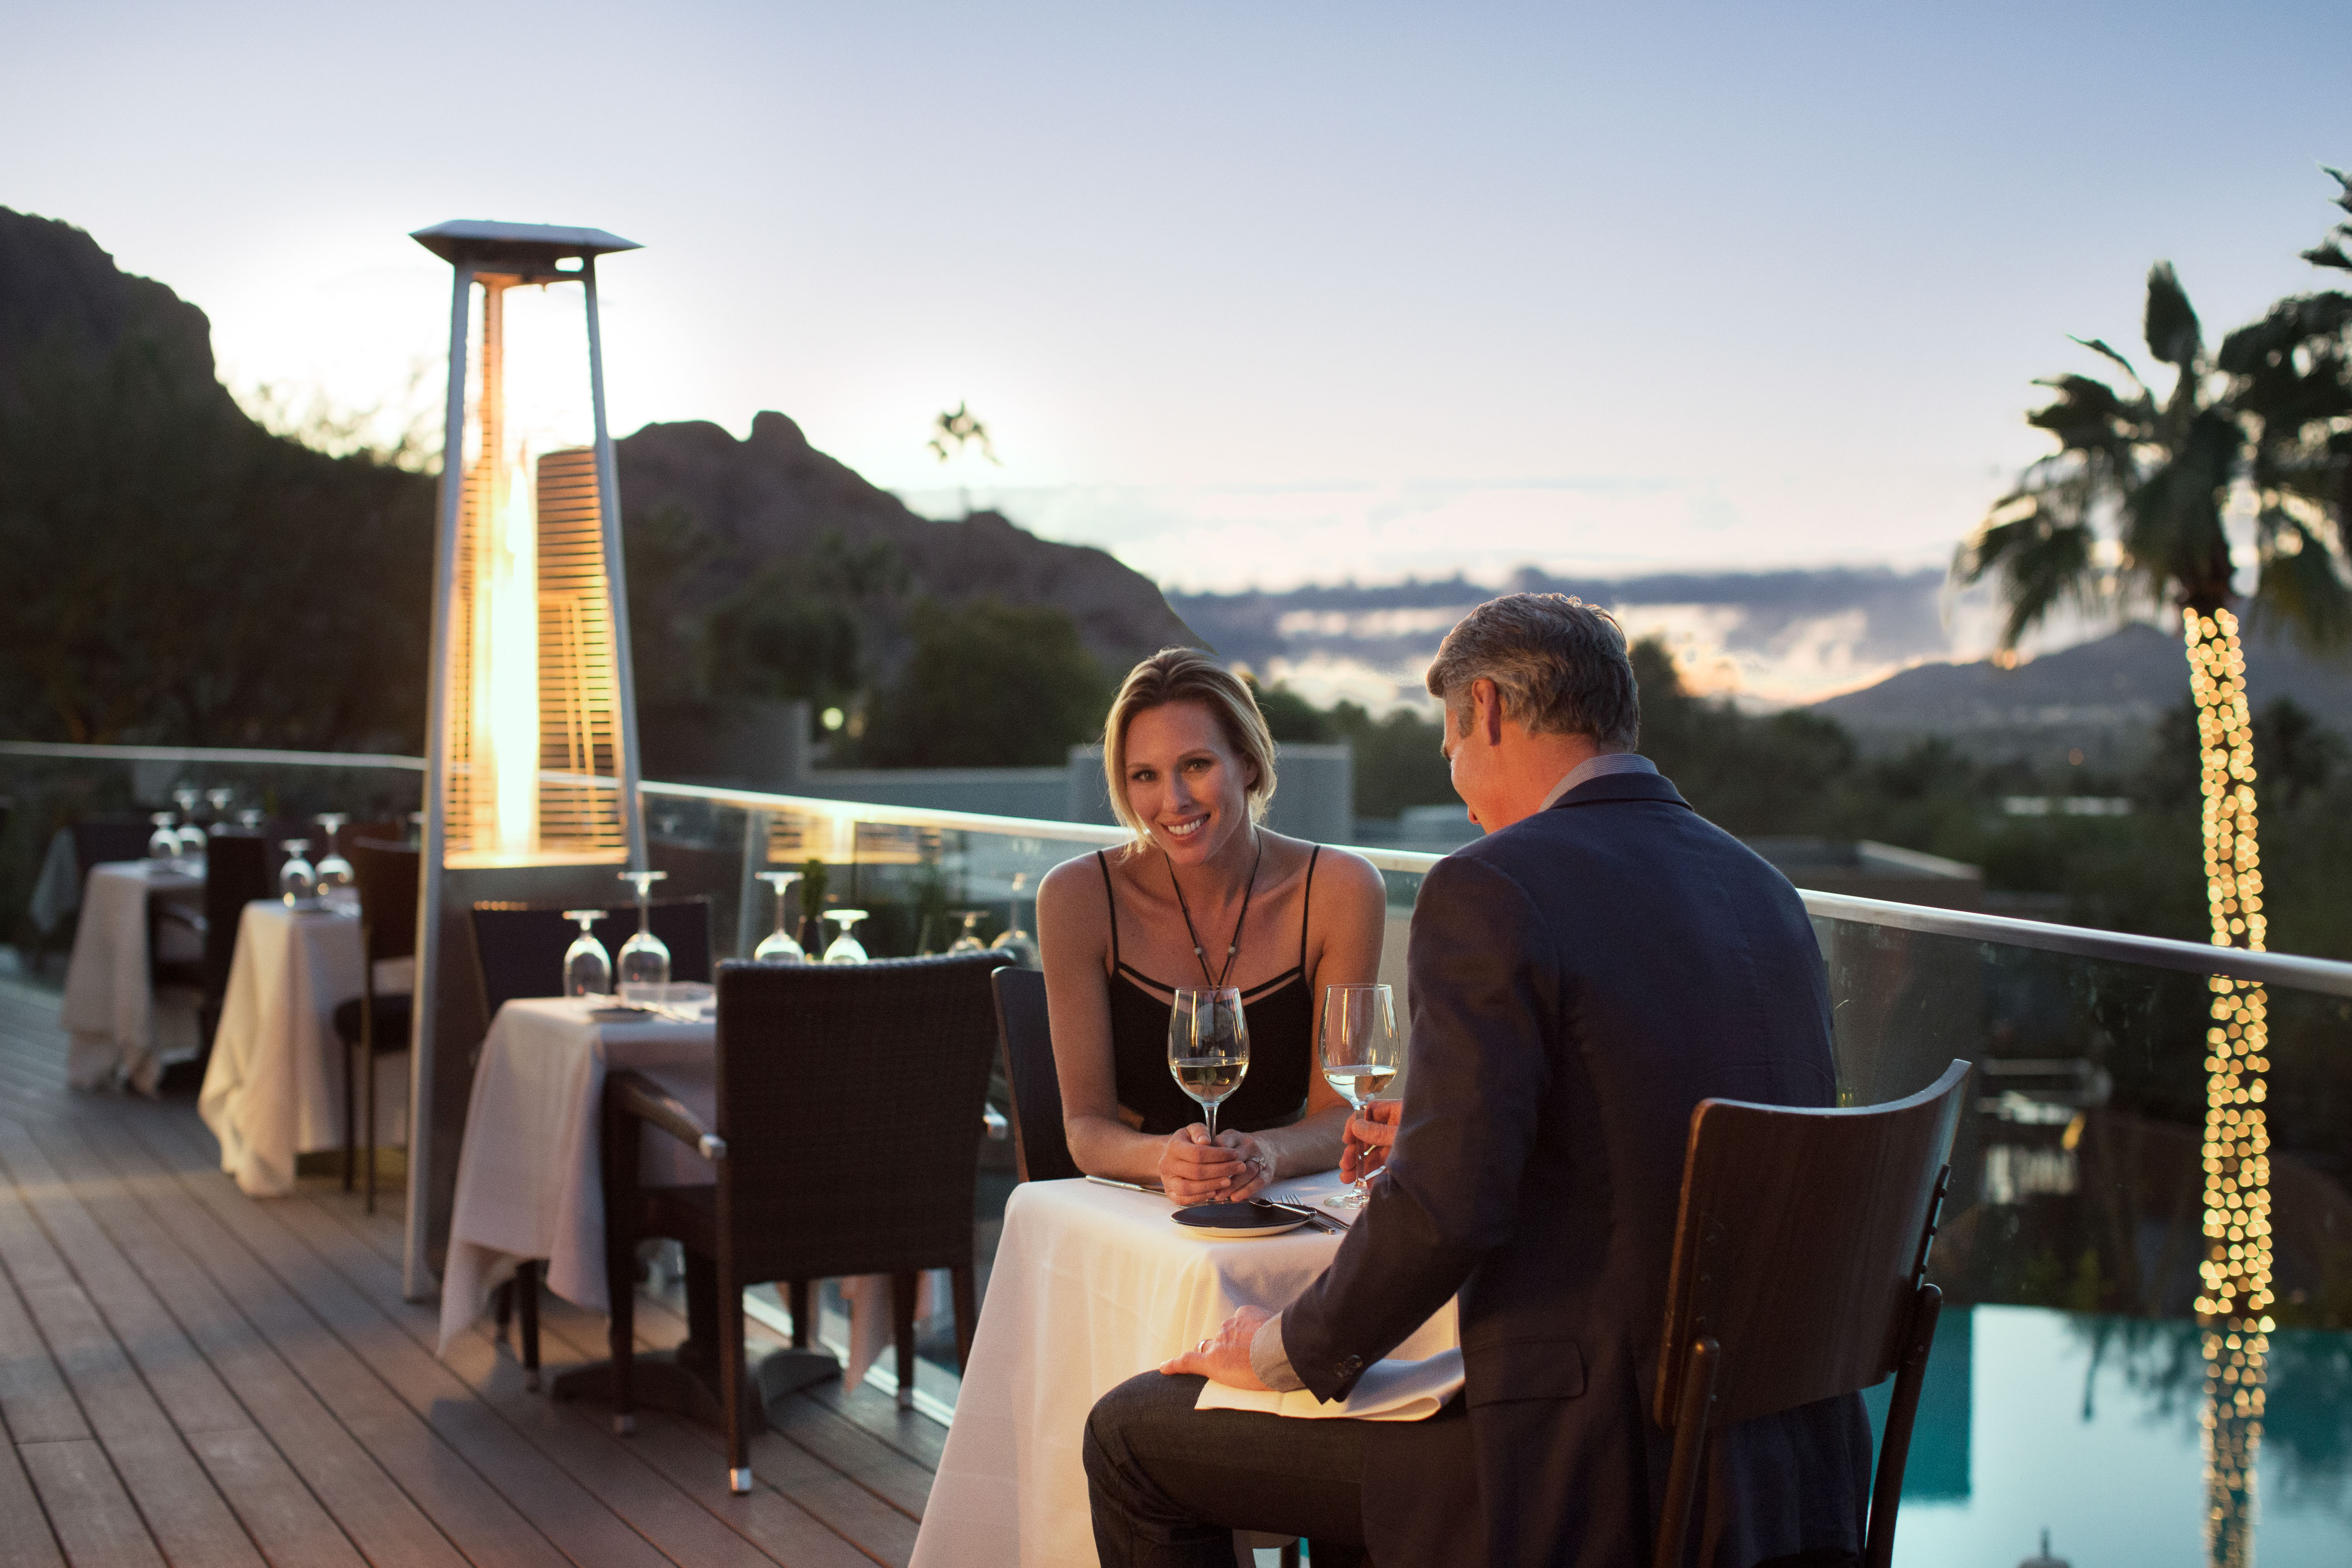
(1204, 895)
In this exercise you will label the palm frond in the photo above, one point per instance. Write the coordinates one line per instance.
(2041, 557)
(2100, 346)
(2170, 323)
(2302, 584)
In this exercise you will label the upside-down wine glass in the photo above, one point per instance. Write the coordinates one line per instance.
(1021, 945)
(1208, 1046)
(844, 947)
(298, 883)
(249, 819)
(334, 871)
(1359, 1052)
(163, 843)
(778, 946)
(587, 967)
(644, 958)
(220, 799)
(191, 837)
(969, 940)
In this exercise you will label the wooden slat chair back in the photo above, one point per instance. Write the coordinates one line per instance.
(377, 1023)
(847, 1141)
(1041, 1150)
(1800, 1263)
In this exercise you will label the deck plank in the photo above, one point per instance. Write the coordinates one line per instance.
(368, 1504)
(88, 1507)
(26, 1540)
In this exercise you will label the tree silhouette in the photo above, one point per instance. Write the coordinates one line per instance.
(953, 430)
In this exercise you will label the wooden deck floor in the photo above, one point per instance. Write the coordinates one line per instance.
(191, 1376)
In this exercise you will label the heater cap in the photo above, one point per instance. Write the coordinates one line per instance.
(538, 244)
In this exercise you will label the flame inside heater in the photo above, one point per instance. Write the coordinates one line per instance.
(506, 672)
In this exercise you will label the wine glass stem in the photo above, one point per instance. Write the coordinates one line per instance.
(1212, 1109)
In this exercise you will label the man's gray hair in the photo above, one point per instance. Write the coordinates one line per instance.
(1559, 664)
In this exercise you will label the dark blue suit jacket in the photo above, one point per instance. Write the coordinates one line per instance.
(1579, 982)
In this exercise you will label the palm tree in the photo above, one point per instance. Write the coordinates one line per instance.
(2127, 514)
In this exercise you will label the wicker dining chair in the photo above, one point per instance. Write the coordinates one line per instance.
(236, 873)
(1799, 1273)
(847, 1141)
(1041, 1149)
(376, 1023)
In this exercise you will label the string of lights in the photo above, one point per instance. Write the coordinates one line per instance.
(2235, 1302)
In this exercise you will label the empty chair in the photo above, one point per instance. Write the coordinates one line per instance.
(847, 1141)
(376, 1022)
(1041, 1150)
(236, 872)
(520, 948)
(99, 840)
(1799, 1274)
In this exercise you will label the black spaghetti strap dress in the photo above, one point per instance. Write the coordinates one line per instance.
(1281, 1018)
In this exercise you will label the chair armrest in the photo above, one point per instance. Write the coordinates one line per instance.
(634, 1094)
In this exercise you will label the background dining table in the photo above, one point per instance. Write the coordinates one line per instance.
(274, 1086)
(118, 1025)
(1092, 1285)
(529, 1182)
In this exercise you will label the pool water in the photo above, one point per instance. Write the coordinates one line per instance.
(2088, 1426)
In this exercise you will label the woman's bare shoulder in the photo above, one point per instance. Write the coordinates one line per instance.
(1074, 882)
(1352, 876)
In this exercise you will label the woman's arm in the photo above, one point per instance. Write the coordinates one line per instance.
(1074, 940)
(1345, 925)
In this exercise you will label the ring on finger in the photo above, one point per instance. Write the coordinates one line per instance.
(1202, 1348)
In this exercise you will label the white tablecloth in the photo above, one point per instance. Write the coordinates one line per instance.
(1092, 1285)
(118, 1025)
(274, 1086)
(529, 1185)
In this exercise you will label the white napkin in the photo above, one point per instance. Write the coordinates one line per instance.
(1389, 1390)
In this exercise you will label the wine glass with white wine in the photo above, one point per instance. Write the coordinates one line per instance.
(1359, 1052)
(1208, 1047)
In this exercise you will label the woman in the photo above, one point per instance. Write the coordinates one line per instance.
(1203, 896)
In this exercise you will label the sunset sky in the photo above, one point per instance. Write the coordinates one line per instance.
(1251, 294)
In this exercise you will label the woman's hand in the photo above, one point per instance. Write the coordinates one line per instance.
(1229, 1171)
(1370, 1133)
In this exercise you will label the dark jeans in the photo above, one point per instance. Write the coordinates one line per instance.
(1170, 1484)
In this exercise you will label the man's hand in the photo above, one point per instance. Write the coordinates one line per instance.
(1370, 1134)
(1225, 1357)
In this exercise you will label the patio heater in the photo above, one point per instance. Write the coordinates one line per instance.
(532, 734)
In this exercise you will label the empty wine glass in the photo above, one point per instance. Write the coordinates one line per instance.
(192, 844)
(587, 967)
(191, 837)
(334, 871)
(298, 883)
(163, 843)
(1208, 1046)
(1018, 943)
(1358, 1052)
(185, 796)
(645, 958)
(250, 819)
(844, 947)
(220, 799)
(969, 940)
(778, 946)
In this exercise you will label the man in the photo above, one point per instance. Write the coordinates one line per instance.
(1583, 977)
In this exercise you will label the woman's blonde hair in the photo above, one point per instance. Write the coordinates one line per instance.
(1186, 674)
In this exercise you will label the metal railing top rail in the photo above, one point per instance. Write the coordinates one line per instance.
(2283, 969)
(2291, 970)
(211, 754)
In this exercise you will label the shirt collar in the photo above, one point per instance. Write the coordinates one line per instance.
(1592, 768)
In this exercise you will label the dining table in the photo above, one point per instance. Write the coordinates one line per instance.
(119, 1026)
(1093, 1284)
(273, 1090)
(530, 1171)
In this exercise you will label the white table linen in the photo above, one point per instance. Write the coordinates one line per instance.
(529, 1182)
(1092, 1285)
(117, 1026)
(274, 1087)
